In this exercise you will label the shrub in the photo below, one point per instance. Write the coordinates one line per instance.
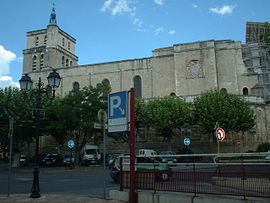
(264, 147)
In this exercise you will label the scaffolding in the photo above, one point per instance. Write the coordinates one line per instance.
(256, 57)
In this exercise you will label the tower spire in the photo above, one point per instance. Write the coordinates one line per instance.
(53, 17)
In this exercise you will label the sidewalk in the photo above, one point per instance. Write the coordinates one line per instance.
(20, 198)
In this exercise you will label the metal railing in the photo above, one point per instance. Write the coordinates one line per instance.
(242, 174)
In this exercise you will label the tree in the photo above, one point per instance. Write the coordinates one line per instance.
(73, 116)
(164, 114)
(231, 112)
(16, 104)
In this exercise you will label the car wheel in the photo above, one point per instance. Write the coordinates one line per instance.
(163, 176)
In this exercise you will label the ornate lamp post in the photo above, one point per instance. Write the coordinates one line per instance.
(26, 84)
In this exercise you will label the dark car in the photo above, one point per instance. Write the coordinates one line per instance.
(24, 161)
(32, 159)
(52, 160)
(167, 158)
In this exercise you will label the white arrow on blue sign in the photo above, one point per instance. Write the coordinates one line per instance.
(71, 144)
(118, 111)
(187, 141)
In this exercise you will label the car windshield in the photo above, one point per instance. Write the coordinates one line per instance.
(90, 151)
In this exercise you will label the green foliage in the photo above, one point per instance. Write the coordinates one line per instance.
(16, 104)
(264, 147)
(164, 114)
(231, 111)
(73, 116)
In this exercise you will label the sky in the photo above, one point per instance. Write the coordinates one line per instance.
(114, 30)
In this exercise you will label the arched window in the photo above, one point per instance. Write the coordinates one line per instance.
(172, 94)
(76, 86)
(70, 63)
(34, 62)
(41, 61)
(223, 90)
(67, 62)
(63, 61)
(245, 91)
(138, 86)
(105, 82)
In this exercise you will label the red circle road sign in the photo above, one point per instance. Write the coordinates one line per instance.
(220, 133)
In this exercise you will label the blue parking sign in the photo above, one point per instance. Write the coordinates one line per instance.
(118, 111)
(118, 105)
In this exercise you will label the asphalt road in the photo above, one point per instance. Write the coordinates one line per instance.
(83, 181)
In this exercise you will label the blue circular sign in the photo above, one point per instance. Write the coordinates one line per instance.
(71, 144)
(187, 141)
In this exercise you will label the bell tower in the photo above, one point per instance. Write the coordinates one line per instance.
(50, 47)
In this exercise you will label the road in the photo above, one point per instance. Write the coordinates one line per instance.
(83, 181)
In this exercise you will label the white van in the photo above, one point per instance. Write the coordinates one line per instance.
(90, 155)
(147, 152)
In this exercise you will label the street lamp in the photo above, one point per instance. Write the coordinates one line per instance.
(26, 84)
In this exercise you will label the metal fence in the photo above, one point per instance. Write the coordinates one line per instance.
(245, 174)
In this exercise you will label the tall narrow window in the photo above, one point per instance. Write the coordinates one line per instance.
(41, 61)
(105, 82)
(34, 62)
(45, 39)
(37, 41)
(76, 86)
(245, 91)
(67, 62)
(63, 42)
(68, 45)
(63, 61)
(138, 86)
(70, 63)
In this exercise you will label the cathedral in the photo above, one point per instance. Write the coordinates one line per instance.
(182, 70)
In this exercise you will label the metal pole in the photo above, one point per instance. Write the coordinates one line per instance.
(132, 192)
(35, 186)
(10, 135)
(104, 153)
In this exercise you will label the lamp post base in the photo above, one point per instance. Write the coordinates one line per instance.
(35, 187)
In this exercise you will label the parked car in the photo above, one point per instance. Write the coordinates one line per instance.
(52, 160)
(167, 157)
(32, 159)
(69, 158)
(143, 164)
(267, 158)
(24, 161)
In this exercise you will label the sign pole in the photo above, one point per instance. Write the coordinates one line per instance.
(132, 193)
(10, 135)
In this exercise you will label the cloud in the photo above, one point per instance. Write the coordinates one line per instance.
(195, 6)
(172, 32)
(6, 81)
(6, 57)
(159, 2)
(226, 9)
(117, 7)
(159, 30)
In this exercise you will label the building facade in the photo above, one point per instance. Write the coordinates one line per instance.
(184, 70)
